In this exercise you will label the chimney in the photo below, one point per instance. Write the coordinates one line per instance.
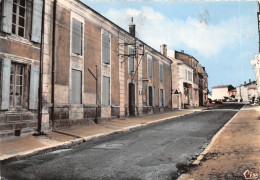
(164, 49)
(244, 82)
(132, 27)
(182, 51)
(249, 80)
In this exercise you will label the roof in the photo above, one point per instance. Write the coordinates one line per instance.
(233, 90)
(222, 86)
(253, 87)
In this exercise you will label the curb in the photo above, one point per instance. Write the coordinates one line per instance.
(73, 142)
(206, 150)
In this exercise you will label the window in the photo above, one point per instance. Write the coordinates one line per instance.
(106, 90)
(76, 87)
(19, 20)
(161, 97)
(131, 62)
(16, 85)
(150, 67)
(105, 47)
(76, 37)
(186, 74)
(161, 72)
(189, 76)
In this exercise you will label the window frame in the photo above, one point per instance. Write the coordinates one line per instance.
(161, 76)
(103, 31)
(129, 57)
(149, 58)
(14, 105)
(17, 15)
(82, 36)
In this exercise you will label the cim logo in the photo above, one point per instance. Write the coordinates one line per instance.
(251, 175)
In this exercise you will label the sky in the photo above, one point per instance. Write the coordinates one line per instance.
(221, 35)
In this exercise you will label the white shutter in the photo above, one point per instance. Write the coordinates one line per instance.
(5, 84)
(37, 20)
(34, 87)
(6, 21)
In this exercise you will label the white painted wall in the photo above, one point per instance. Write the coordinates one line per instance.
(219, 93)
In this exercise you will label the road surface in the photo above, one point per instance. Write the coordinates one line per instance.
(158, 151)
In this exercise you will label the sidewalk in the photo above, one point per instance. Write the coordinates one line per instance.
(30, 145)
(233, 152)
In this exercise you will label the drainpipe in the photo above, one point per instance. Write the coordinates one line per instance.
(39, 129)
(53, 61)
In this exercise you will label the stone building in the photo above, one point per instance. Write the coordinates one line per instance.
(63, 64)
(220, 92)
(21, 55)
(247, 91)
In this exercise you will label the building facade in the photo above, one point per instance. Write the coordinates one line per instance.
(247, 91)
(64, 64)
(220, 92)
(21, 56)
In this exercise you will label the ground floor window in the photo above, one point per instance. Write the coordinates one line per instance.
(105, 90)
(161, 97)
(76, 87)
(16, 85)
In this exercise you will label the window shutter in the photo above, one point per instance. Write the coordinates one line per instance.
(76, 37)
(161, 72)
(5, 84)
(153, 95)
(131, 60)
(163, 97)
(6, 22)
(106, 91)
(150, 67)
(147, 95)
(34, 86)
(160, 102)
(106, 48)
(37, 20)
(76, 87)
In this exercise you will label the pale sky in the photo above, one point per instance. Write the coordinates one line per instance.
(221, 35)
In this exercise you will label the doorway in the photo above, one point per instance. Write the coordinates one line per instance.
(131, 99)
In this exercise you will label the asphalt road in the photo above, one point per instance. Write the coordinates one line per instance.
(157, 151)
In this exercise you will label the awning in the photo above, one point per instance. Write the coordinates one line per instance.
(187, 85)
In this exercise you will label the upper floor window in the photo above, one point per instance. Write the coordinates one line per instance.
(105, 47)
(189, 76)
(19, 20)
(149, 67)
(161, 72)
(22, 18)
(77, 37)
(131, 62)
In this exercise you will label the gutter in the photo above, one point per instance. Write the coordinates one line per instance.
(39, 129)
(53, 62)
